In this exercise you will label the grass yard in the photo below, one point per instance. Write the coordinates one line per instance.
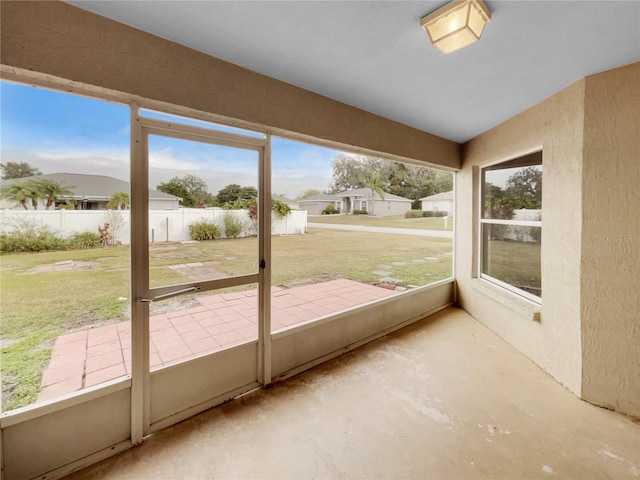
(38, 304)
(394, 221)
(515, 263)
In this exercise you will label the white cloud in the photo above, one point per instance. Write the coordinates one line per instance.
(296, 167)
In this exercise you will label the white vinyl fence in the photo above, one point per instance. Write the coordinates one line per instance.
(164, 225)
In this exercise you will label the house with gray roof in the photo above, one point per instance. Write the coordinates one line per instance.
(92, 192)
(365, 199)
(317, 203)
(362, 199)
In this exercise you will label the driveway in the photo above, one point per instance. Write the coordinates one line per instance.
(396, 231)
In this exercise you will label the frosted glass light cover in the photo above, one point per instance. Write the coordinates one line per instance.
(450, 22)
(457, 24)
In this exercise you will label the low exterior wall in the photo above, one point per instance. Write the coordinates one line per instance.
(164, 225)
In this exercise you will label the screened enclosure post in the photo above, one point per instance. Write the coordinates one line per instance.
(264, 246)
(139, 281)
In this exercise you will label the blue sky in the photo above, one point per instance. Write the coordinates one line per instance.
(58, 132)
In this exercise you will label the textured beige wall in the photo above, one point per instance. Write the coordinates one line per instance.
(57, 39)
(554, 342)
(589, 334)
(611, 240)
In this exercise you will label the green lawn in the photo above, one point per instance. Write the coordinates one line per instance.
(39, 306)
(394, 221)
(515, 263)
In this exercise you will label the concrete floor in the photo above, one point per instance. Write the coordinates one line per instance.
(444, 398)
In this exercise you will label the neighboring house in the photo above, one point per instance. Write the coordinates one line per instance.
(361, 199)
(293, 204)
(93, 192)
(440, 202)
(316, 204)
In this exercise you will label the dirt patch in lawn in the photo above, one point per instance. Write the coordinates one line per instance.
(175, 254)
(64, 266)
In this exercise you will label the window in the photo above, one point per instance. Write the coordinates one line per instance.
(511, 225)
(340, 266)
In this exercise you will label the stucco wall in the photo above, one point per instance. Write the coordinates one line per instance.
(588, 333)
(58, 39)
(611, 240)
(314, 208)
(554, 342)
(386, 208)
(438, 205)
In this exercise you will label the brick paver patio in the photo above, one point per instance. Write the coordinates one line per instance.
(89, 357)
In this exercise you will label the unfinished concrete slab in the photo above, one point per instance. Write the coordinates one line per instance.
(444, 398)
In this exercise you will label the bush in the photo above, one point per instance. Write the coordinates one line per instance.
(427, 213)
(329, 210)
(240, 204)
(203, 230)
(233, 226)
(441, 213)
(359, 212)
(280, 208)
(85, 240)
(30, 237)
(504, 212)
(413, 214)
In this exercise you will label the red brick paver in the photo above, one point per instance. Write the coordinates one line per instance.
(90, 357)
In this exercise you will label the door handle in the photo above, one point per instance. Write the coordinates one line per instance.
(157, 298)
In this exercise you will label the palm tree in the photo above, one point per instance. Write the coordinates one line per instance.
(119, 201)
(18, 192)
(50, 190)
(375, 185)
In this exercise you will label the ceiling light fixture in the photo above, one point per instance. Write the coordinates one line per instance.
(457, 24)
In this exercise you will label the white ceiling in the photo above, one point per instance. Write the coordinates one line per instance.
(375, 56)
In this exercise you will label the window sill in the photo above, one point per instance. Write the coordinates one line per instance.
(520, 305)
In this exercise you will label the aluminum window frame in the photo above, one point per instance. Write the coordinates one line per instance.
(494, 221)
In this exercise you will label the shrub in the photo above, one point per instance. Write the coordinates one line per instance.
(240, 204)
(441, 213)
(30, 237)
(85, 240)
(427, 213)
(413, 214)
(504, 212)
(329, 210)
(280, 208)
(115, 220)
(233, 226)
(359, 212)
(203, 230)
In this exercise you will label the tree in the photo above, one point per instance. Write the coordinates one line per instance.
(195, 186)
(50, 190)
(524, 187)
(348, 172)
(190, 188)
(229, 194)
(312, 192)
(233, 192)
(375, 185)
(248, 193)
(119, 201)
(403, 179)
(18, 170)
(179, 190)
(18, 192)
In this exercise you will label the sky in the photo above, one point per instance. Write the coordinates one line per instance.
(59, 132)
